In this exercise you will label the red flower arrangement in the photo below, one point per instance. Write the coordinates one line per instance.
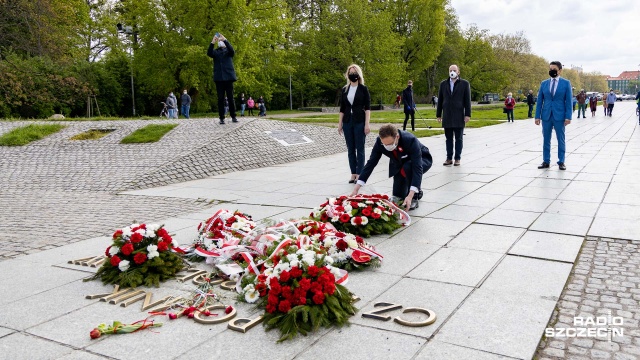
(140, 254)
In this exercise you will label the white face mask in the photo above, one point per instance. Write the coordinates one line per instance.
(221, 44)
(390, 147)
(453, 74)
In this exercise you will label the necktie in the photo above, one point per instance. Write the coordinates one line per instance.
(395, 153)
(553, 87)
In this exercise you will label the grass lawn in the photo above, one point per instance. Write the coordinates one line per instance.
(93, 134)
(148, 134)
(26, 134)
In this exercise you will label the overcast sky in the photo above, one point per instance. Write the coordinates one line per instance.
(597, 35)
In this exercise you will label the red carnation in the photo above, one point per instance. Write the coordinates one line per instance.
(117, 233)
(316, 287)
(271, 308)
(345, 218)
(339, 209)
(286, 292)
(284, 276)
(305, 284)
(228, 310)
(167, 238)
(359, 240)
(329, 288)
(106, 252)
(385, 197)
(140, 258)
(127, 249)
(143, 226)
(311, 214)
(324, 217)
(358, 220)
(162, 232)
(285, 305)
(136, 237)
(313, 271)
(342, 245)
(295, 272)
(340, 234)
(302, 300)
(275, 289)
(272, 299)
(162, 246)
(354, 204)
(367, 211)
(318, 298)
(375, 215)
(115, 260)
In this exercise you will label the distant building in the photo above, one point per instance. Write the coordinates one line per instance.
(625, 82)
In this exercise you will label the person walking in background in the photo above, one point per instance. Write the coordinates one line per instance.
(243, 103)
(454, 111)
(436, 99)
(530, 101)
(353, 121)
(226, 105)
(224, 74)
(409, 106)
(604, 104)
(593, 104)
(433, 101)
(396, 105)
(172, 105)
(509, 104)
(611, 100)
(262, 107)
(250, 105)
(582, 103)
(574, 101)
(554, 111)
(409, 160)
(185, 103)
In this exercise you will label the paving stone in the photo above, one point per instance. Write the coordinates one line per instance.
(444, 351)
(548, 246)
(562, 224)
(487, 238)
(24, 346)
(522, 219)
(457, 266)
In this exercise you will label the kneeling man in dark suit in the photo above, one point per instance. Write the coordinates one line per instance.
(409, 159)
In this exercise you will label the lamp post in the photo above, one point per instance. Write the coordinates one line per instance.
(128, 30)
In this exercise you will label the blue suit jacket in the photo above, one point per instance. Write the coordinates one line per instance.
(558, 106)
(409, 149)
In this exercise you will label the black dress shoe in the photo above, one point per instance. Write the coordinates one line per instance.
(544, 165)
(221, 122)
(352, 181)
(561, 166)
(234, 120)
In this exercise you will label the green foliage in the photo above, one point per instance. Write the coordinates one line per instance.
(151, 273)
(303, 319)
(26, 134)
(148, 134)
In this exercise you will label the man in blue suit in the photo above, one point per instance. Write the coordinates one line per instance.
(554, 110)
(409, 159)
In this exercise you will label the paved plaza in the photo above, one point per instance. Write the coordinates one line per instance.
(498, 249)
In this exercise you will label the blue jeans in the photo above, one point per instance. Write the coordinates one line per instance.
(530, 113)
(354, 136)
(185, 111)
(172, 113)
(242, 109)
(547, 126)
(448, 134)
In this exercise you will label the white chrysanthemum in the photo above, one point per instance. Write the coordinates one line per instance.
(149, 233)
(152, 254)
(316, 237)
(365, 220)
(362, 205)
(133, 226)
(268, 271)
(234, 277)
(249, 287)
(124, 265)
(152, 248)
(114, 250)
(292, 257)
(377, 211)
(282, 266)
(348, 251)
(328, 242)
(328, 260)
(126, 232)
(153, 227)
(251, 296)
(141, 231)
(309, 260)
(348, 209)
(369, 202)
(294, 263)
(352, 243)
(335, 219)
(332, 200)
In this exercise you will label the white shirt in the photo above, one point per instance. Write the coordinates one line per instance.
(557, 80)
(451, 83)
(352, 93)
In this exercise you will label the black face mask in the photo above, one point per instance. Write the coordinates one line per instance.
(553, 73)
(354, 77)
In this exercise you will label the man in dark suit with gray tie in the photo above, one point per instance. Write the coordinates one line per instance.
(454, 100)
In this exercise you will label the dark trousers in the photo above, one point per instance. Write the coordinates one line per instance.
(583, 108)
(225, 88)
(449, 135)
(509, 115)
(413, 121)
(530, 114)
(354, 137)
(609, 109)
(401, 184)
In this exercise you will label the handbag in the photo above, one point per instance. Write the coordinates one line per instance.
(504, 110)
